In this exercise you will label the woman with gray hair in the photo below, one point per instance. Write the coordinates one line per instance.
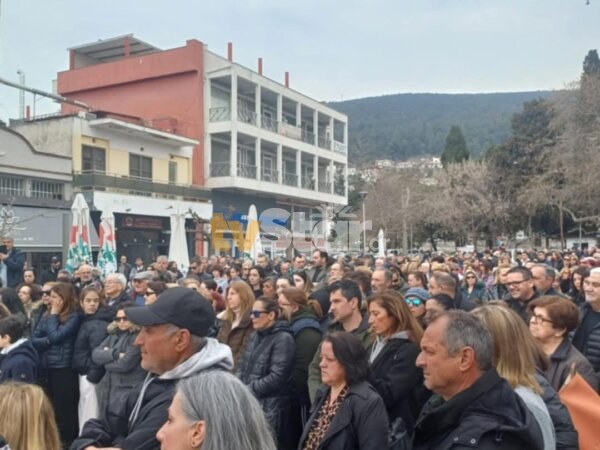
(206, 413)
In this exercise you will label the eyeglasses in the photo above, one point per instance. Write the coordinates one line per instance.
(413, 301)
(536, 318)
(46, 292)
(255, 313)
(193, 267)
(149, 293)
(470, 277)
(121, 319)
(515, 283)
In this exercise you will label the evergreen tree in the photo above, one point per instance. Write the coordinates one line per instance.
(455, 150)
(591, 64)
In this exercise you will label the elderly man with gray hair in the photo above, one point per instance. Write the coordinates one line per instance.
(115, 286)
(543, 279)
(471, 406)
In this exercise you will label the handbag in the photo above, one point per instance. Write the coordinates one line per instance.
(583, 404)
(399, 438)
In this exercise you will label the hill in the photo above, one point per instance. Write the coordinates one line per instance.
(404, 126)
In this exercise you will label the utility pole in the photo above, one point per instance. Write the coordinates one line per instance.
(21, 94)
(404, 223)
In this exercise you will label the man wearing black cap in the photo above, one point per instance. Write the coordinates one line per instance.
(50, 274)
(173, 346)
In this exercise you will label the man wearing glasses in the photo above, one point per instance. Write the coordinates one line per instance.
(14, 261)
(521, 290)
(587, 336)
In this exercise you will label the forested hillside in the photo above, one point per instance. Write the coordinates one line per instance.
(403, 126)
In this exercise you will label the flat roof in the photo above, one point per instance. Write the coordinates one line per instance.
(105, 50)
(163, 137)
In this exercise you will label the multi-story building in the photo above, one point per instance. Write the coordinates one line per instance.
(35, 197)
(259, 141)
(141, 174)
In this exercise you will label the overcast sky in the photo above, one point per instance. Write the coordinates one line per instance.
(334, 49)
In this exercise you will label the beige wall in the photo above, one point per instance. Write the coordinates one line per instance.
(184, 172)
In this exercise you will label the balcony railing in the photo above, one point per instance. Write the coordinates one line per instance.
(220, 169)
(247, 116)
(97, 181)
(324, 142)
(308, 183)
(268, 123)
(338, 147)
(269, 175)
(308, 137)
(219, 114)
(246, 171)
(325, 186)
(290, 179)
(339, 189)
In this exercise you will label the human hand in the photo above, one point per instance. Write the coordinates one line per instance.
(2, 256)
(121, 355)
(56, 305)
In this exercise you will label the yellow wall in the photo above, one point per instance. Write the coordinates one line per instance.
(160, 170)
(184, 175)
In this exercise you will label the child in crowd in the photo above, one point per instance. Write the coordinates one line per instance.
(18, 358)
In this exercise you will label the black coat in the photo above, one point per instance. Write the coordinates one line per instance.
(91, 334)
(591, 346)
(20, 364)
(560, 366)
(487, 415)
(15, 261)
(566, 435)
(360, 423)
(399, 381)
(55, 341)
(265, 368)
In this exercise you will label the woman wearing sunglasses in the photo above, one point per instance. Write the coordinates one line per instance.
(121, 360)
(267, 362)
(393, 355)
(415, 298)
(472, 288)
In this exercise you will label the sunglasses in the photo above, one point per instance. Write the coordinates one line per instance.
(413, 301)
(149, 293)
(255, 313)
(46, 292)
(121, 319)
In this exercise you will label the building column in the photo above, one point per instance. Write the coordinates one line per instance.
(234, 96)
(207, 155)
(346, 136)
(257, 157)
(233, 155)
(331, 133)
(299, 167)
(279, 164)
(298, 115)
(257, 102)
(331, 176)
(316, 172)
(279, 109)
(316, 128)
(346, 181)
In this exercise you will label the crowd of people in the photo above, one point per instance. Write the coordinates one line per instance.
(430, 351)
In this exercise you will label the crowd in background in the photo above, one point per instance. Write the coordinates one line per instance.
(338, 352)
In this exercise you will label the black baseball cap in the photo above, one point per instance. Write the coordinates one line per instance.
(182, 307)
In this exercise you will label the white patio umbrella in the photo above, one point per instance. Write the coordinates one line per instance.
(178, 249)
(80, 250)
(381, 243)
(252, 243)
(107, 256)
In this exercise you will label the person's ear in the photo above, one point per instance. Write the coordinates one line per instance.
(198, 434)
(467, 359)
(183, 339)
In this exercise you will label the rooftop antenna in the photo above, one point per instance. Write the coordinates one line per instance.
(21, 94)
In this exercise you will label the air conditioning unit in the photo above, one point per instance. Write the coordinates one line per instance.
(86, 115)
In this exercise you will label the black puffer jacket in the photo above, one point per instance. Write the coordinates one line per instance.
(487, 415)
(398, 380)
(566, 435)
(91, 334)
(591, 346)
(54, 340)
(266, 367)
(360, 423)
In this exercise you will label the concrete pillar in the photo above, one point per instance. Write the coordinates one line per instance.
(279, 108)
(316, 172)
(331, 133)
(299, 167)
(346, 180)
(234, 96)
(316, 128)
(257, 157)
(233, 156)
(298, 114)
(279, 164)
(331, 175)
(207, 155)
(346, 136)
(257, 102)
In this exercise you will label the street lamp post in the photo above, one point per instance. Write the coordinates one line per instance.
(364, 221)
(21, 94)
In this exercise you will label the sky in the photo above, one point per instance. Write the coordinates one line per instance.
(334, 49)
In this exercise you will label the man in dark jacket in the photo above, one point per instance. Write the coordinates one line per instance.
(444, 283)
(587, 336)
(52, 272)
(472, 407)
(521, 291)
(19, 359)
(14, 260)
(173, 346)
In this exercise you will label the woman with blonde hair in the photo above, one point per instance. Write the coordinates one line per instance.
(393, 355)
(27, 418)
(236, 325)
(517, 364)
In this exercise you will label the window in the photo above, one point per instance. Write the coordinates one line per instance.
(140, 166)
(172, 172)
(12, 186)
(93, 159)
(46, 189)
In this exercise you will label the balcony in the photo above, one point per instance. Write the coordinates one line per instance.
(308, 137)
(246, 171)
(324, 142)
(268, 123)
(219, 114)
(98, 181)
(290, 179)
(340, 148)
(272, 176)
(247, 116)
(220, 169)
(308, 183)
(325, 187)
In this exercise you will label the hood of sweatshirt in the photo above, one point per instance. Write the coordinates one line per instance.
(213, 355)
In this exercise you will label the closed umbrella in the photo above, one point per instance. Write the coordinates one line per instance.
(178, 249)
(252, 243)
(80, 250)
(381, 243)
(107, 256)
